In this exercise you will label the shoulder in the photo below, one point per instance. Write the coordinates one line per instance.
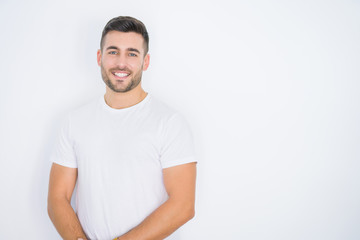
(85, 110)
(162, 109)
(169, 118)
(81, 115)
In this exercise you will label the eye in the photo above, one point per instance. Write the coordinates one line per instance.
(132, 55)
(112, 52)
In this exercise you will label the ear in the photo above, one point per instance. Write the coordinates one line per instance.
(146, 62)
(99, 57)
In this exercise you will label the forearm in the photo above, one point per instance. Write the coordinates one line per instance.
(65, 220)
(162, 222)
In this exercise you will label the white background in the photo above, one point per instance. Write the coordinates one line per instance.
(270, 89)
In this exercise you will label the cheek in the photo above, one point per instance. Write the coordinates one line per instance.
(136, 64)
(107, 62)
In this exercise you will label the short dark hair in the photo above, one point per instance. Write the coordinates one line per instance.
(126, 24)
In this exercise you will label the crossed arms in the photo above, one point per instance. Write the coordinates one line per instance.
(179, 182)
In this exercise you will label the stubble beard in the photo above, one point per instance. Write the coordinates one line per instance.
(133, 83)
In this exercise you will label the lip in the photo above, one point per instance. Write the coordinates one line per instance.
(120, 78)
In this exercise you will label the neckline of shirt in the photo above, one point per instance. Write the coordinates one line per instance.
(122, 110)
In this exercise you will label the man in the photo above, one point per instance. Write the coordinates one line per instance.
(130, 155)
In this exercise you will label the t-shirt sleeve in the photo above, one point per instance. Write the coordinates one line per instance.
(177, 143)
(63, 152)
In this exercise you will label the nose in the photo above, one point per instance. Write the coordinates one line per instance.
(121, 61)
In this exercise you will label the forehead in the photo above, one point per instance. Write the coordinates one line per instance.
(124, 40)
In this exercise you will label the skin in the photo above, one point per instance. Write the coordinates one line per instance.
(124, 53)
(61, 186)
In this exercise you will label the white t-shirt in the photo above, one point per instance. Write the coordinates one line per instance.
(120, 154)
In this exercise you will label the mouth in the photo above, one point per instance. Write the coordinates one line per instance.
(120, 75)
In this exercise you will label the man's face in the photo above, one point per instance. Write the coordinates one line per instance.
(122, 60)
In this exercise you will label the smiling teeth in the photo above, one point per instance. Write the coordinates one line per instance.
(121, 74)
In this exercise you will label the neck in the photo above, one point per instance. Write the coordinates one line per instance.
(124, 100)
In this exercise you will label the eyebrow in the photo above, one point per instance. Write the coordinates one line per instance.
(129, 49)
(112, 47)
(133, 50)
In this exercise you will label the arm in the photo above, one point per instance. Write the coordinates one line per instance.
(177, 210)
(61, 186)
